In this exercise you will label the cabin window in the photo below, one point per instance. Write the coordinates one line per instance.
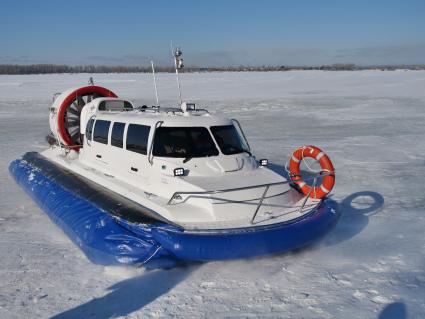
(183, 142)
(229, 140)
(137, 138)
(117, 134)
(89, 129)
(101, 130)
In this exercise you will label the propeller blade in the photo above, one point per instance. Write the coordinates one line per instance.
(73, 111)
(81, 102)
(89, 98)
(72, 121)
(74, 135)
(71, 124)
(70, 127)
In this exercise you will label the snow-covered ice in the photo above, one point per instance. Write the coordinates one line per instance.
(372, 265)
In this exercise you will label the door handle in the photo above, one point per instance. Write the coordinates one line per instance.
(98, 156)
(134, 169)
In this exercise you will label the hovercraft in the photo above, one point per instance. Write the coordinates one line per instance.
(136, 185)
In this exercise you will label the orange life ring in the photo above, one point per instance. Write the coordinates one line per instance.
(328, 180)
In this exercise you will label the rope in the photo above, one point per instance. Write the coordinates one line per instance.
(150, 257)
(303, 159)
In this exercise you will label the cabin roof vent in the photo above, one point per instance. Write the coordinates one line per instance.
(115, 105)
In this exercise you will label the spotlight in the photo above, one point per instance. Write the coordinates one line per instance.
(264, 162)
(179, 171)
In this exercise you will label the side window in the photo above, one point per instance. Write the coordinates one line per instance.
(117, 134)
(137, 138)
(89, 129)
(101, 129)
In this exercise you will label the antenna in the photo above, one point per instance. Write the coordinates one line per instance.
(154, 84)
(178, 63)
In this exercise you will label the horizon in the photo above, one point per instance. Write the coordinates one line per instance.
(214, 34)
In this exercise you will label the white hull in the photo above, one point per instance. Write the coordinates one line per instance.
(222, 210)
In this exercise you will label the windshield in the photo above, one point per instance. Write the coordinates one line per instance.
(229, 140)
(184, 142)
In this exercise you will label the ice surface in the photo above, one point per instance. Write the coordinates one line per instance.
(372, 125)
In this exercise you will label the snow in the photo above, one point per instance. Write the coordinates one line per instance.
(372, 125)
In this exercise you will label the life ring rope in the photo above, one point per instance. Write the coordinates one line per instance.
(327, 171)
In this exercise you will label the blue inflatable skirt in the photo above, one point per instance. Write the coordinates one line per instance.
(111, 229)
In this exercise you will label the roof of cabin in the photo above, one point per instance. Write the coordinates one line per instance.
(170, 116)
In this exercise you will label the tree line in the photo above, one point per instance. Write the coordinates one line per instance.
(55, 68)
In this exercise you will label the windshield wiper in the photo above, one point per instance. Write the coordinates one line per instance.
(206, 153)
(242, 150)
(187, 159)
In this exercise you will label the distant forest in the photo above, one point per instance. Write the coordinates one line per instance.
(54, 68)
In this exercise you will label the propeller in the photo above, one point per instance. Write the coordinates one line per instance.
(69, 113)
(73, 113)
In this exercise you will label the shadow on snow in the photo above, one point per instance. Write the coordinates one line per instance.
(355, 210)
(395, 310)
(129, 295)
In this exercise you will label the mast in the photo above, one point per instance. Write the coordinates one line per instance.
(154, 84)
(178, 64)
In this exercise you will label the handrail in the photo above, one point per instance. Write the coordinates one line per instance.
(259, 204)
(309, 193)
(261, 199)
(243, 134)
(150, 156)
(219, 191)
(177, 195)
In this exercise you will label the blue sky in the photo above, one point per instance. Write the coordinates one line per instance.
(213, 33)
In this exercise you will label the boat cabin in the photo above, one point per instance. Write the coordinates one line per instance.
(128, 139)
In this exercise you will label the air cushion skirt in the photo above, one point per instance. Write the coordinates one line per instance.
(112, 230)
